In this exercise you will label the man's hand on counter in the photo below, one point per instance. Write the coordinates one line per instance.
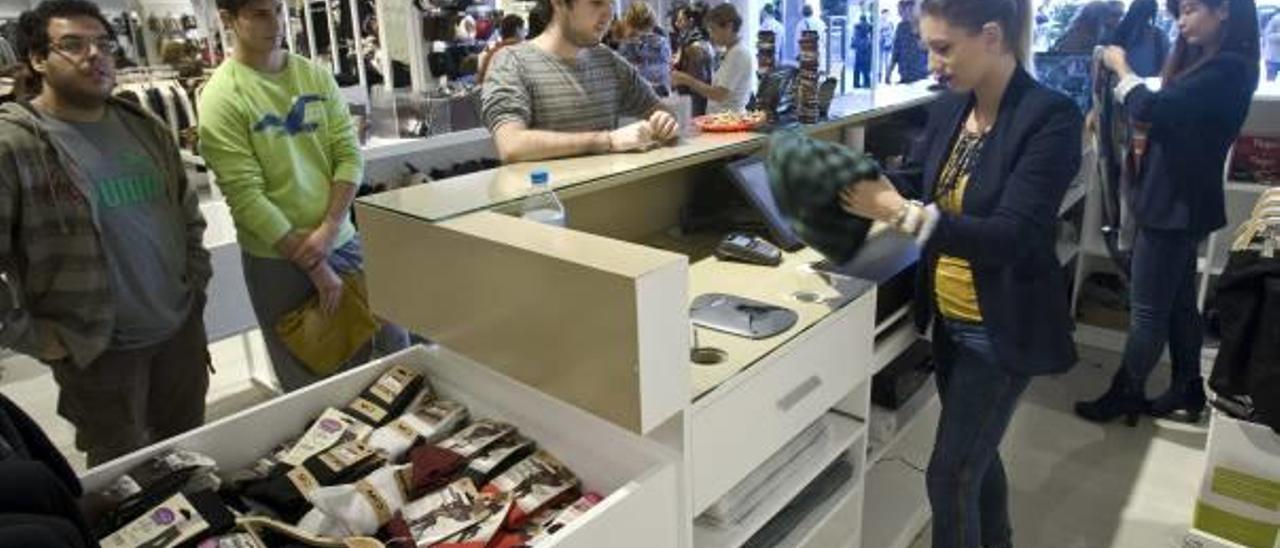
(660, 128)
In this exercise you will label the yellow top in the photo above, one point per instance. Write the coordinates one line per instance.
(953, 278)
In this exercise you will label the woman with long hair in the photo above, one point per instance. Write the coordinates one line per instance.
(647, 50)
(995, 162)
(1208, 84)
(694, 56)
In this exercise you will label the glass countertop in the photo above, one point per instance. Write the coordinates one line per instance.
(504, 186)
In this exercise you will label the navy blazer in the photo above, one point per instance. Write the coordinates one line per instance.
(1194, 122)
(1007, 230)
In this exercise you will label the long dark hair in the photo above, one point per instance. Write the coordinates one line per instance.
(1239, 36)
(1013, 16)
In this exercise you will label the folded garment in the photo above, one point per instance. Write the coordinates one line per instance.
(806, 176)
(470, 441)
(758, 485)
(429, 420)
(388, 397)
(534, 483)
(432, 469)
(181, 519)
(817, 492)
(333, 427)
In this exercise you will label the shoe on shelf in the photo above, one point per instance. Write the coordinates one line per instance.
(1183, 402)
(1120, 400)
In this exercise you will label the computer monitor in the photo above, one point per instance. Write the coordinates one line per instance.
(752, 179)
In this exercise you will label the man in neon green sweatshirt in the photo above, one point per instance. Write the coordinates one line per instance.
(275, 130)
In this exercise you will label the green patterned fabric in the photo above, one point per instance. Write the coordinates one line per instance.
(806, 176)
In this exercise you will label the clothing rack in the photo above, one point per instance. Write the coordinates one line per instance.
(1261, 232)
(158, 90)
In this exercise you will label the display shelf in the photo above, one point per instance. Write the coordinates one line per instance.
(896, 506)
(380, 149)
(842, 433)
(818, 528)
(890, 343)
(889, 322)
(927, 412)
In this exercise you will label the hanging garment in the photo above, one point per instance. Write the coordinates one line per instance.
(7, 54)
(1116, 166)
(1248, 362)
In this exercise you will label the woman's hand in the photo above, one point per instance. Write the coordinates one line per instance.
(680, 78)
(1114, 58)
(877, 200)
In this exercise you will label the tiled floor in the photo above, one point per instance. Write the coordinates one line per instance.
(1074, 484)
(1080, 485)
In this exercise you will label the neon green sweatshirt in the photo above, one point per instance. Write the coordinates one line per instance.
(276, 143)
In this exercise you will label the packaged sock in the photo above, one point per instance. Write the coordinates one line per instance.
(534, 482)
(322, 525)
(482, 534)
(430, 420)
(561, 518)
(331, 428)
(470, 441)
(444, 513)
(498, 457)
(180, 519)
(432, 469)
(388, 397)
(364, 506)
(150, 483)
(233, 540)
(285, 491)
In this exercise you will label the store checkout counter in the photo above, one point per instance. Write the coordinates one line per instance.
(597, 315)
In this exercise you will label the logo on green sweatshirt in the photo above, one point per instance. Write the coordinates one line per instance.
(293, 123)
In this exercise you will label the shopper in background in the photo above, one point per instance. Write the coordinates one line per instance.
(511, 31)
(562, 93)
(909, 56)
(862, 44)
(1273, 46)
(646, 50)
(886, 30)
(1144, 44)
(730, 87)
(276, 132)
(769, 22)
(1000, 151)
(811, 22)
(101, 243)
(1208, 85)
(695, 56)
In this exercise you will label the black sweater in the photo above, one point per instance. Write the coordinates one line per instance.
(1194, 122)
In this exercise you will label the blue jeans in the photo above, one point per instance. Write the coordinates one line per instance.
(1162, 306)
(966, 480)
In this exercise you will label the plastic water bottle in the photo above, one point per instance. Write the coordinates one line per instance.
(542, 204)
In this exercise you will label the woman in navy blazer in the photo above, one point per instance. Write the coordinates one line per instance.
(1178, 199)
(996, 160)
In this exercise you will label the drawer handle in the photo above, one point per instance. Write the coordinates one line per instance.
(799, 393)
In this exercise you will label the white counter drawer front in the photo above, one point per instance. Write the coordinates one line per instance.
(637, 477)
(738, 426)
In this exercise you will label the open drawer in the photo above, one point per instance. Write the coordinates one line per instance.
(637, 478)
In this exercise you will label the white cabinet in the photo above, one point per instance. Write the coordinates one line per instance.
(637, 477)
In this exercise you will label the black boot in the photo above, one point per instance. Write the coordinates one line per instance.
(1121, 400)
(1183, 402)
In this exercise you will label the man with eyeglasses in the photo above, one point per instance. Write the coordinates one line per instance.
(276, 131)
(102, 267)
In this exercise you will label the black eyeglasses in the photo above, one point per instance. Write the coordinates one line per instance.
(78, 46)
